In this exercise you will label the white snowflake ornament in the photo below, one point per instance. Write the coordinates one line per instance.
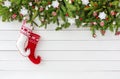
(55, 4)
(85, 2)
(7, 3)
(24, 11)
(102, 15)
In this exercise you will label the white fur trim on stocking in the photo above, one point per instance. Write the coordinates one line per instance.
(21, 44)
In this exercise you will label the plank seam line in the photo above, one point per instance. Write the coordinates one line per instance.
(3, 70)
(66, 60)
(72, 40)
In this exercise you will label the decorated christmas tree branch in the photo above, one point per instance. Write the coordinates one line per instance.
(95, 14)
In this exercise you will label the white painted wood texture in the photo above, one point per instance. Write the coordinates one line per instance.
(67, 54)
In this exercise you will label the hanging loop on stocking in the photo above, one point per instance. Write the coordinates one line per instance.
(32, 26)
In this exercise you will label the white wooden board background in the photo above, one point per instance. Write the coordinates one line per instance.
(67, 54)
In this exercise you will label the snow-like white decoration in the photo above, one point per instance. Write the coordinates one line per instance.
(117, 14)
(36, 8)
(10, 10)
(71, 20)
(85, 2)
(70, 1)
(114, 22)
(55, 4)
(30, 3)
(102, 15)
(7, 3)
(24, 11)
(47, 7)
(77, 17)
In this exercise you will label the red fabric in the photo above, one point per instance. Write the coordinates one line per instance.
(25, 30)
(32, 43)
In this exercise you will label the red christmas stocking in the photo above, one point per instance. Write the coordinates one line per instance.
(32, 43)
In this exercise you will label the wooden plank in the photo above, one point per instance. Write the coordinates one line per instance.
(67, 45)
(58, 75)
(13, 26)
(61, 66)
(61, 35)
(65, 55)
(51, 27)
